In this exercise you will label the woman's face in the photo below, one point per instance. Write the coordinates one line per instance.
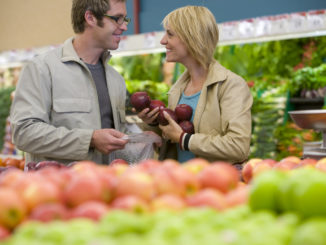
(176, 50)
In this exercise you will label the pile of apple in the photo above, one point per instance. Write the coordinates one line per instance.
(256, 166)
(11, 162)
(235, 226)
(301, 191)
(86, 189)
(181, 114)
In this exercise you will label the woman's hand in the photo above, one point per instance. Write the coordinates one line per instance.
(147, 116)
(171, 131)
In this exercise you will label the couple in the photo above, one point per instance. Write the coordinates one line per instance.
(69, 103)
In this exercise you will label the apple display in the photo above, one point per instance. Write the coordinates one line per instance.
(135, 182)
(91, 209)
(49, 212)
(169, 202)
(4, 233)
(81, 189)
(44, 164)
(221, 176)
(238, 196)
(183, 112)
(195, 165)
(248, 167)
(140, 100)
(12, 208)
(292, 159)
(119, 161)
(208, 198)
(130, 203)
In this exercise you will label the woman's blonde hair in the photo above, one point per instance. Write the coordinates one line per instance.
(197, 28)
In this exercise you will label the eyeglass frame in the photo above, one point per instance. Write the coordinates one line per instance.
(116, 19)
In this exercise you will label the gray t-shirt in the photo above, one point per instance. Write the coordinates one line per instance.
(99, 78)
(98, 74)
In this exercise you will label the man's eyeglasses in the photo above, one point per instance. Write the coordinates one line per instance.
(119, 19)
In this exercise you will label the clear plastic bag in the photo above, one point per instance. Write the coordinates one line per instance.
(139, 147)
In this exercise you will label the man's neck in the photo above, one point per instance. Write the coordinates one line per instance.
(86, 50)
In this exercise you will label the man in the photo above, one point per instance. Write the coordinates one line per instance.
(69, 103)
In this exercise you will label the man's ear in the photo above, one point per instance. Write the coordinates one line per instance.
(90, 18)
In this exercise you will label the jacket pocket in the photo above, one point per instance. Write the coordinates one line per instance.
(71, 105)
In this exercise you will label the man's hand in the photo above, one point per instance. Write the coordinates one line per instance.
(171, 131)
(108, 140)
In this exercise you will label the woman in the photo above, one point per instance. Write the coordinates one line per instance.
(221, 100)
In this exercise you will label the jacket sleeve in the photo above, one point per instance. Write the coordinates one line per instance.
(30, 119)
(233, 143)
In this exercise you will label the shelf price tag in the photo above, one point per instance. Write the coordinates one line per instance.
(316, 20)
(298, 22)
(246, 28)
(263, 27)
(229, 31)
(280, 24)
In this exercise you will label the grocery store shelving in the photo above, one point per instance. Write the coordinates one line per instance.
(262, 29)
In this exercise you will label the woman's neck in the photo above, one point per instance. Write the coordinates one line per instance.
(198, 75)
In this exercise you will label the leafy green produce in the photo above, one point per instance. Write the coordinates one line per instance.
(5, 103)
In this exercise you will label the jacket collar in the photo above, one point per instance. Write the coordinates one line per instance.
(69, 53)
(216, 73)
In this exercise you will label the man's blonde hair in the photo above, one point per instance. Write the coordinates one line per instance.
(196, 27)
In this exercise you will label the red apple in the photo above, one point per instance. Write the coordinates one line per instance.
(291, 159)
(187, 127)
(12, 208)
(94, 210)
(135, 182)
(183, 112)
(130, 203)
(11, 176)
(81, 189)
(156, 103)
(161, 118)
(186, 180)
(238, 196)
(169, 202)
(221, 176)
(195, 165)
(148, 164)
(119, 161)
(246, 171)
(208, 198)
(4, 233)
(262, 166)
(285, 165)
(30, 166)
(165, 183)
(49, 212)
(34, 190)
(140, 100)
(307, 162)
(321, 164)
(44, 164)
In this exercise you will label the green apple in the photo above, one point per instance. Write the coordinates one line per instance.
(264, 190)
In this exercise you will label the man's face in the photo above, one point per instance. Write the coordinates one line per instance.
(109, 34)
